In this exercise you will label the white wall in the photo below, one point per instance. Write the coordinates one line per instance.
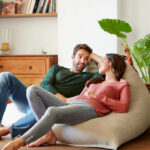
(31, 35)
(77, 23)
(136, 13)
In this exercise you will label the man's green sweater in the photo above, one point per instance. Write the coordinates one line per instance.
(61, 80)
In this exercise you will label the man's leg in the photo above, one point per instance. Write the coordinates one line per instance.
(22, 125)
(11, 87)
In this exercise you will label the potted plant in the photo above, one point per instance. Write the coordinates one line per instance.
(140, 50)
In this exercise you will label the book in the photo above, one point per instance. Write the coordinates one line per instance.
(26, 5)
(31, 6)
(54, 8)
(46, 4)
(40, 6)
(36, 6)
(47, 9)
(18, 6)
(50, 6)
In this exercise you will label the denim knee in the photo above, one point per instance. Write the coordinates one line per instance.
(5, 76)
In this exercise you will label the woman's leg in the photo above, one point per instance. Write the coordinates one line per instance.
(40, 99)
(69, 114)
(49, 138)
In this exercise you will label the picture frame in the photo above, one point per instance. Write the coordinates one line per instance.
(8, 8)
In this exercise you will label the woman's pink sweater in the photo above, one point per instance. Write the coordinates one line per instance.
(107, 97)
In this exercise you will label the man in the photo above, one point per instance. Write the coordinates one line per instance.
(62, 82)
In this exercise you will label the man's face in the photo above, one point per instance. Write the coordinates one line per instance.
(81, 60)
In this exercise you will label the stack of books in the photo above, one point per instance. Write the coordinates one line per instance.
(39, 6)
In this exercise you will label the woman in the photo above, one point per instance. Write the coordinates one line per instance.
(99, 97)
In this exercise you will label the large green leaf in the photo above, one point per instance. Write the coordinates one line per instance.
(115, 26)
(141, 50)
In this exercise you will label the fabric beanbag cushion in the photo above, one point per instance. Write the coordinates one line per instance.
(113, 129)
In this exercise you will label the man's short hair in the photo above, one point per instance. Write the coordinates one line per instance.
(82, 46)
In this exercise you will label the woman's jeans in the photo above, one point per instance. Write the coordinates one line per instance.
(49, 109)
(11, 87)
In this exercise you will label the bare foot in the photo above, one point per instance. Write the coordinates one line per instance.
(4, 131)
(14, 145)
(48, 138)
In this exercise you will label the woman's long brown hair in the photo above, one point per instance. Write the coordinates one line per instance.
(118, 65)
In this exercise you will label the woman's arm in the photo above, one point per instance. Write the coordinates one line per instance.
(120, 105)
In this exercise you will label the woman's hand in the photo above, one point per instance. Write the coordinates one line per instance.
(90, 94)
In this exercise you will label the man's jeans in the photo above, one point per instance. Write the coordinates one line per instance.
(11, 87)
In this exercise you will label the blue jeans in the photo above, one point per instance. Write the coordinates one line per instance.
(11, 87)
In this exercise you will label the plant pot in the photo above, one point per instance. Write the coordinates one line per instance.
(148, 86)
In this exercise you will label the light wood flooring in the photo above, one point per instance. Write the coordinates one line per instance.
(140, 143)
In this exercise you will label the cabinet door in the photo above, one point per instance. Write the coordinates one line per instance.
(20, 66)
(28, 81)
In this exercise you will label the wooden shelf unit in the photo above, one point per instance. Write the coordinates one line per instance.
(30, 69)
(29, 15)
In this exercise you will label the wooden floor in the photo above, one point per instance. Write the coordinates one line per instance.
(140, 143)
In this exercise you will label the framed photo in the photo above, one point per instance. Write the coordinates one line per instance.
(8, 8)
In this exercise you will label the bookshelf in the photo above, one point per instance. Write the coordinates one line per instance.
(29, 15)
(28, 8)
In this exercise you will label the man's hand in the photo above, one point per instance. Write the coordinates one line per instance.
(95, 57)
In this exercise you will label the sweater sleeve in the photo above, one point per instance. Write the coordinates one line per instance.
(50, 79)
(121, 105)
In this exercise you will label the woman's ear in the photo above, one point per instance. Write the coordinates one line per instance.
(72, 56)
(110, 64)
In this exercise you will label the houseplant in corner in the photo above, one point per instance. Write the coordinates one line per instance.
(140, 50)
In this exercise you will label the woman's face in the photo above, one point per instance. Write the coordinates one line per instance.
(104, 65)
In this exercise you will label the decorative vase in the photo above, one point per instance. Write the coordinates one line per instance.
(5, 41)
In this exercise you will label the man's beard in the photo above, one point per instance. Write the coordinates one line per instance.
(76, 66)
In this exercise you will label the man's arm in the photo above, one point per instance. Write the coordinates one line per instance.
(95, 57)
(49, 81)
